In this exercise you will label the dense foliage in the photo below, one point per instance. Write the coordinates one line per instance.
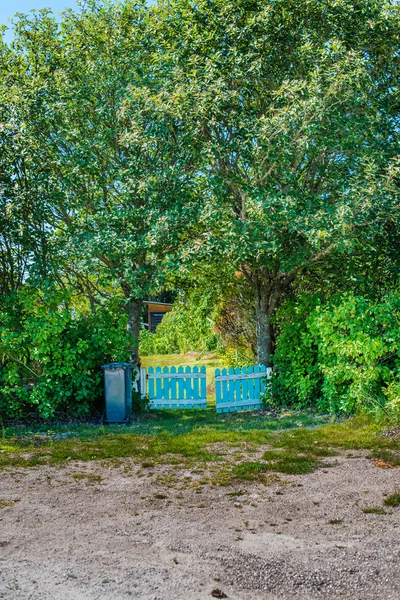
(243, 153)
(343, 356)
(295, 114)
(51, 355)
(188, 327)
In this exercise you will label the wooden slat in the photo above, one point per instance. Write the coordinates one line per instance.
(151, 384)
(218, 398)
(250, 383)
(177, 375)
(257, 382)
(238, 405)
(231, 386)
(224, 394)
(173, 382)
(203, 386)
(237, 391)
(241, 376)
(143, 382)
(181, 387)
(166, 384)
(189, 389)
(195, 383)
(181, 401)
(159, 391)
(244, 384)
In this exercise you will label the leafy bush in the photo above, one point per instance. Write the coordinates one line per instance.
(188, 326)
(298, 379)
(392, 393)
(147, 344)
(342, 357)
(51, 355)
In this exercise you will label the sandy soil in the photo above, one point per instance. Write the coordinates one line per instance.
(69, 538)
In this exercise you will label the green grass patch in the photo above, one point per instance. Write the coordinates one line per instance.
(160, 496)
(290, 463)
(251, 471)
(358, 433)
(248, 471)
(91, 478)
(174, 437)
(393, 500)
(374, 511)
(335, 521)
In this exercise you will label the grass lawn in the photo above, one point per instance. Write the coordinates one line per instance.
(292, 442)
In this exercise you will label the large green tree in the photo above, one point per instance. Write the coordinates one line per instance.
(296, 113)
(108, 152)
(19, 234)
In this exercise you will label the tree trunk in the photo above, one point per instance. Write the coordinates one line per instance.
(263, 329)
(268, 294)
(134, 311)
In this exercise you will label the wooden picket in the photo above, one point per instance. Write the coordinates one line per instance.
(240, 389)
(176, 388)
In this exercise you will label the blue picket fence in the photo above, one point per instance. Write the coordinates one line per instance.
(182, 387)
(240, 388)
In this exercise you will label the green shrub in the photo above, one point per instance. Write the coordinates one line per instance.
(51, 355)
(392, 393)
(298, 379)
(393, 500)
(188, 326)
(343, 357)
(147, 344)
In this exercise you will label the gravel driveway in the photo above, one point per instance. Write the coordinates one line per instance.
(96, 530)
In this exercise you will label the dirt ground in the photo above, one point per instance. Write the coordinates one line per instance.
(96, 530)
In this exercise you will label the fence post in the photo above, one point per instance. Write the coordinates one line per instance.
(142, 382)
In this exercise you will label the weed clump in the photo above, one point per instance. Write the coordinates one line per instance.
(391, 458)
(6, 503)
(91, 478)
(290, 463)
(335, 521)
(374, 511)
(393, 499)
(247, 470)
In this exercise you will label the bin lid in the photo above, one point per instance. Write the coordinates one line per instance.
(117, 365)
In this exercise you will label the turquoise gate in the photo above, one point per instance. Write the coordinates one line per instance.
(182, 387)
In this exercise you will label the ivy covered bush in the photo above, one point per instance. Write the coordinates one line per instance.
(51, 355)
(342, 357)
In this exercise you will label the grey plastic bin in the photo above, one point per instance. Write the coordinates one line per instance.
(118, 392)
